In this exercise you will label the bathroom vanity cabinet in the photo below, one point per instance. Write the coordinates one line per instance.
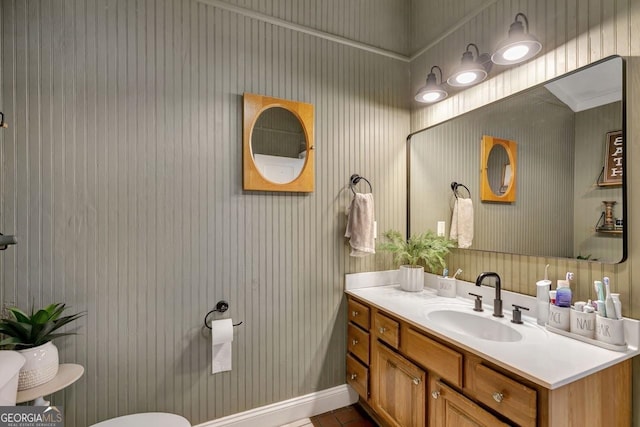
(407, 376)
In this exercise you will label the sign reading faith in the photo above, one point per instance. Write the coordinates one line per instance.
(614, 153)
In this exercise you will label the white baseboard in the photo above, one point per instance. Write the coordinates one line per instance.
(287, 411)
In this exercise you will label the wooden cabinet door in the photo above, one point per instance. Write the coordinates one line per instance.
(398, 388)
(448, 408)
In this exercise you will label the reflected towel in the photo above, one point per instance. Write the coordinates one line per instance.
(462, 222)
(360, 225)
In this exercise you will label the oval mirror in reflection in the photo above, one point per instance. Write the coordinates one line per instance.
(278, 145)
(498, 170)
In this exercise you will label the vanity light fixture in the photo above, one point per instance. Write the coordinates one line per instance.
(432, 91)
(519, 46)
(471, 71)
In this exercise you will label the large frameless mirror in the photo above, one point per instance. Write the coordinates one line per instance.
(570, 132)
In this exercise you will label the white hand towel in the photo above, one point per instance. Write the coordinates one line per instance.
(462, 222)
(360, 225)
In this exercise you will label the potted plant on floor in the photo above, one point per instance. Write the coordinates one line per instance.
(31, 336)
(426, 248)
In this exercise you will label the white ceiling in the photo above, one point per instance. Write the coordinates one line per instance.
(597, 85)
(431, 20)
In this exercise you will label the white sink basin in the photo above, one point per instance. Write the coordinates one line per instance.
(474, 326)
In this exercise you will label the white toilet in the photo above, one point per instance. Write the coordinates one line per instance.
(12, 361)
(146, 419)
(10, 364)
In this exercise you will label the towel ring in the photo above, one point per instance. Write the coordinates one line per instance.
(455, 186)
(355, 179)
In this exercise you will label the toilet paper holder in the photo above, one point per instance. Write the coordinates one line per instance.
(221, 307)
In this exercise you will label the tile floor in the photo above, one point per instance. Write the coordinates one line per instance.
(349, 416)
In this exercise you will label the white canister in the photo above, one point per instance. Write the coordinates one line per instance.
(583, 324)
(559, 317)
(411, 278)
(447, 287)
(542, 297)
(610, 330)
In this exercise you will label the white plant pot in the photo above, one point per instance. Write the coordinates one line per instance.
(411, 278)
(40, 367)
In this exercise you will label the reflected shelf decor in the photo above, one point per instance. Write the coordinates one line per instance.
(607, 223)
(613, 169)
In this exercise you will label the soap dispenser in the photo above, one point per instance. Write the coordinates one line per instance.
(563, 293)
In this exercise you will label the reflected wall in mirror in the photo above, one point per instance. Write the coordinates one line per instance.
(498, 170)
(277, 144)
(560, 128)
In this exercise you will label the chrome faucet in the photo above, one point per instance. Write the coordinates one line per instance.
(497, 302)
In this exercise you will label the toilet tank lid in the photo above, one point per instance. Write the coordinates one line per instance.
(10, 364)
(155, 419)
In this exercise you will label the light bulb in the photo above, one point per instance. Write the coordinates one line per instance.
(515, 52)
(431, 96)
(466, 78)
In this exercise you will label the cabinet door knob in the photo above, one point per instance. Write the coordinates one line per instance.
(354, 342)
(416, 381)
(354, 313)
(497, 396)
(435, 394)
(354, 376)
(382, 330)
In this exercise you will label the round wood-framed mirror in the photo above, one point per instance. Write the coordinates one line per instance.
(277, 144)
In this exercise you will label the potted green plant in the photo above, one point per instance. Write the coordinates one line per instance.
(427, 248)
(31, 335)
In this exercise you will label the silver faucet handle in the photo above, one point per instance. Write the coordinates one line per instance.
(517, 314)
(478, 302)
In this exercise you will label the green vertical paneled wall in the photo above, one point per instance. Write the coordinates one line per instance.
(122, 178)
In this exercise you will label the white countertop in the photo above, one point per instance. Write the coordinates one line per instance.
(545, 358)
